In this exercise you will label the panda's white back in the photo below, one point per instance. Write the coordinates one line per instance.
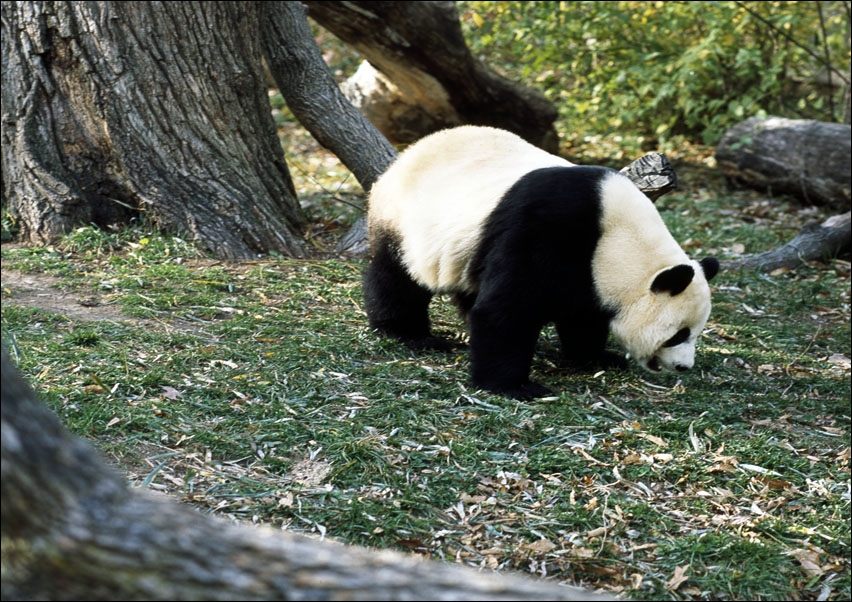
(437, 207)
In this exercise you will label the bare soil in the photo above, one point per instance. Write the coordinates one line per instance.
(43, 292)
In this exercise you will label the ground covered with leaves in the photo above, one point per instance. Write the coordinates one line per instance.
(257, 391)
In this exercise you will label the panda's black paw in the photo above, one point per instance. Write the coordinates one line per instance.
(604, 360)
(428, 343)
(608, 359)
(525, 391)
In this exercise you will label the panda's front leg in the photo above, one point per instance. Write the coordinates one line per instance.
(502, 343)
(583, 341)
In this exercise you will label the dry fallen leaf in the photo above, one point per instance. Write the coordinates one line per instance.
(773, 483)
(678, 578)
(632, 458)
(653, 439)
(809, 559)
(170, 393)
(542, 545)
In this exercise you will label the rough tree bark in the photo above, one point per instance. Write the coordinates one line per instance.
(653, 174)
(427, 78)
(116, 108)
(806, 159)
(72, 530)
(111, 110)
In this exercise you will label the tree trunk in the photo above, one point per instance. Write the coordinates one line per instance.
(428, 79)
(119, 109)
(831, 238)
(808, 160)
(315, 99)
(72, 530)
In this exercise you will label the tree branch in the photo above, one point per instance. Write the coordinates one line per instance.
(314, 97)
(815, 241)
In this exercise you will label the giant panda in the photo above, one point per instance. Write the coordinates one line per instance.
(522, 238)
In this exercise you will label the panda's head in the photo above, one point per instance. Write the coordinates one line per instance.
(660, 327)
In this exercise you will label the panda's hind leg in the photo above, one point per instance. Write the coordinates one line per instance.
(396, 305)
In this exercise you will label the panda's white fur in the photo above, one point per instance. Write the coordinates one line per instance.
(438, 192)
(431, 224)
(633, 230)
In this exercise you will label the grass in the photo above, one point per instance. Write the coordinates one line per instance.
(257, 391)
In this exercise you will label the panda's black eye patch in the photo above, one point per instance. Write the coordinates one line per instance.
(681, 336)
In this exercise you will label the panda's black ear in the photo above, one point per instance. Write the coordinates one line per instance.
(710, 265)
(673, 280)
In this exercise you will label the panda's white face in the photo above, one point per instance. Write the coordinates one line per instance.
(660, 329)
(660, 298)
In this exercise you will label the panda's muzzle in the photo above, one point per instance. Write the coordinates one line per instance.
(655, 366)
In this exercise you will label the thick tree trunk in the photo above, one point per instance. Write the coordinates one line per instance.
(831, 238)
(114, 109)
(808, 160)
(430, 78)
(72, 530)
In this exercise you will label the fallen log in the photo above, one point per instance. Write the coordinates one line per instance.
(816, 241)
(808, 160)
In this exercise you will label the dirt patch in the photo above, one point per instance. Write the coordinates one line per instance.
(44, 292)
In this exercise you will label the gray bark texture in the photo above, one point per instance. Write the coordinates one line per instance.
(429, 78)
(808, 160)
(116, 109)
(315, 99)
(652, 174)
(72, 530)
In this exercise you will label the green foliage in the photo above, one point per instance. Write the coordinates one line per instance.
(657, 72)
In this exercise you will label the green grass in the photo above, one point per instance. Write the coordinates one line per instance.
(257, 391)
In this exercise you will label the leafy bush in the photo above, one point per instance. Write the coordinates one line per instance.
(660, 71)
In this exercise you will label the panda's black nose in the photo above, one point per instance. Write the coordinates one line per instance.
(681, 368)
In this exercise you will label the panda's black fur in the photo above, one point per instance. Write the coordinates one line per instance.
(532, 265)
(532, 238)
